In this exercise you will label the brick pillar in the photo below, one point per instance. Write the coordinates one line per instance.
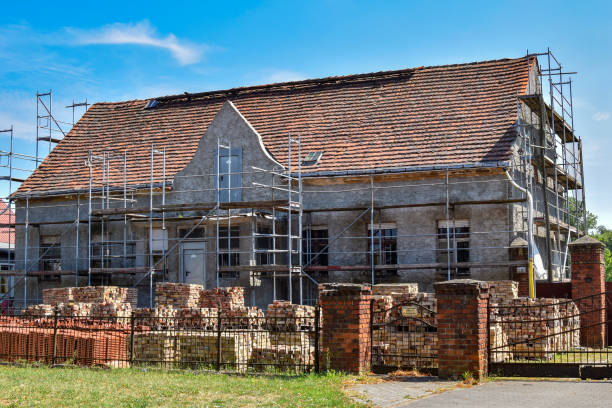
(462, 327)
(519, 251)
(345, 332)
(588, 289)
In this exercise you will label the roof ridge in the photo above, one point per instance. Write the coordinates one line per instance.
(305, 82)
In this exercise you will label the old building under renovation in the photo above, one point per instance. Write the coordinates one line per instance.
(416, 175)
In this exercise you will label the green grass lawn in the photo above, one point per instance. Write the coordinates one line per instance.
(79, 387)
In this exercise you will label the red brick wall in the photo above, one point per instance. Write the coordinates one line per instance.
(588, 287)
(345, 332)
(462, 327)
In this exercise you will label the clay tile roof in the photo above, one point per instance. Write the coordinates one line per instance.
(426, 116)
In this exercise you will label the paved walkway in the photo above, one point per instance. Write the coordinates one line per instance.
(429, 392)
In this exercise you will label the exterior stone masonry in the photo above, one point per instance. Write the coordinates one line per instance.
(588, 289)
(462, 327)
(345, 335)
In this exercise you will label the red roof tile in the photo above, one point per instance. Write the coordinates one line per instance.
(454, 114)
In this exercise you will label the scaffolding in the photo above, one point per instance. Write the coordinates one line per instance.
(128, 216)
(551, 165)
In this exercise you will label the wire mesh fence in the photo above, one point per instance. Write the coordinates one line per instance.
(196, 340)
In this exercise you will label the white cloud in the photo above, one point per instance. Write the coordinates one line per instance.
(138, 34)
(599, 116)
(283, 76)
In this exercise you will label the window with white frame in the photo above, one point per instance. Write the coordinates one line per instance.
(384, 245)
(454, 244)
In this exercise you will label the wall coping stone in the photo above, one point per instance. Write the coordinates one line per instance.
(344, 289)
(460, 286)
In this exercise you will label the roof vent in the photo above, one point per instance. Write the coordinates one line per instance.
(312, 158)
(151, 104)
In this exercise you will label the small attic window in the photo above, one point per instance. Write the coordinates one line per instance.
(151, 104)
(312, 158)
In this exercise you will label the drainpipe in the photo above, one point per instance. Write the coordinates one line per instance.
(529, 234)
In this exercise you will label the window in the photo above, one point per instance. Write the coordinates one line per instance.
(230, 171)
(226, 256)
(197, 233)
(385, 246)
(315, 241)
(459, 244)
(159, 240)
(50, 256)
(264, 244)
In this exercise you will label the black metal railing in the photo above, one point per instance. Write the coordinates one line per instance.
(551, 331)
(404, 336)
(224, 341)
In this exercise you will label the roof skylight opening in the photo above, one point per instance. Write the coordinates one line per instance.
(312, 158)
(151, 104)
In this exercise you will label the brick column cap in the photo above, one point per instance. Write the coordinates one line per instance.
(460, 286)
(586, 241)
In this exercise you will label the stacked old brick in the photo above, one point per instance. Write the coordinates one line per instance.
(103, 302)
(290, 330)
(184, 329)
(529, 329)
(188, 322)
(537, 329)
(404, 326)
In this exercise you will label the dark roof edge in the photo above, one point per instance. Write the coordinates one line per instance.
(365, 172)
(412, 169)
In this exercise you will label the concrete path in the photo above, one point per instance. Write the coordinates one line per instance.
(428, 392)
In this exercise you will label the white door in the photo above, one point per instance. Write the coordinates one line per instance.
(193, 262)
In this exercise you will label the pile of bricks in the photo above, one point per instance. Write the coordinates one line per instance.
(537, 328)
(41, 310)
(395, 289)
(498, 342)
(406, 347)
(197, 318)
(74, 309)
(381, 308)
(155, 347)
(90, 294)
(157, 318)
(201, 348)
(222, 298)
(285, 316)
(501, 291)
(173, 348)
(177, 295)
(241, 318)
(282, 356)
(118, 312)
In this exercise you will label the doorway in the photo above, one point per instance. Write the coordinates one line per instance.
(193, 262)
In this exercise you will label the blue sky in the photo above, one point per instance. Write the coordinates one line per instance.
(109, 51)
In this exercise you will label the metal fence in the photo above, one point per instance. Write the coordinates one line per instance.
(550, 336)
(216, 342)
